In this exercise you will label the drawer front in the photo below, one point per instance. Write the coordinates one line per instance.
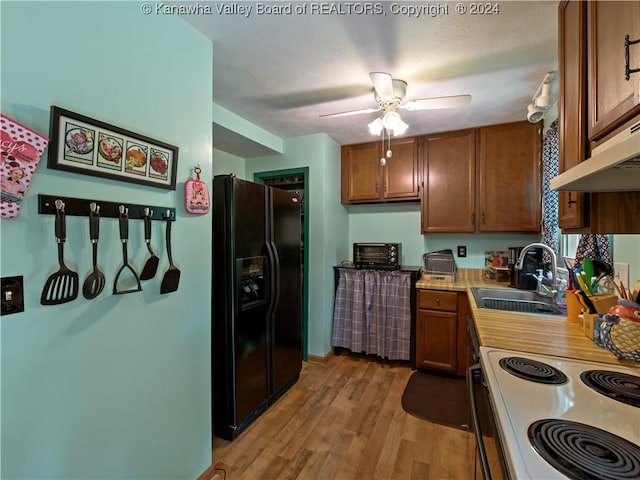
(438, 300)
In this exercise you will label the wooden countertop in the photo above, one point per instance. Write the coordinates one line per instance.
(533, 333)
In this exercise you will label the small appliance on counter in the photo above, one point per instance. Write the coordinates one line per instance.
(524, 279)
(382, 256)
(439, 266)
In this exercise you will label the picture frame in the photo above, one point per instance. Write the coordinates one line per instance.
(84, 145)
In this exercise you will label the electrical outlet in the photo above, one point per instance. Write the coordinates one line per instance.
(12, 299)
(621, 272)
(462, 251)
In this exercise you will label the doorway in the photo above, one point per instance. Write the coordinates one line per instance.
(296, 180)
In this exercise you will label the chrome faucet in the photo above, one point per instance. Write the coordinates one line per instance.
(548, 292)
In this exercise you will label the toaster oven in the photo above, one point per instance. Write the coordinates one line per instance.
(385, 256)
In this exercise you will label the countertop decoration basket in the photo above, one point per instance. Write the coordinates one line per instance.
(620, 330)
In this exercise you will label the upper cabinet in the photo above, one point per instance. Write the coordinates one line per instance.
(572, 107)
(509, 171)
(483, 180)
(595, 101)
(365, 180)
(614, 98)
(449, 173)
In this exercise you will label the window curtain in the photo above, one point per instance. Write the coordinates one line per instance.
(372, 313)
(550, 229)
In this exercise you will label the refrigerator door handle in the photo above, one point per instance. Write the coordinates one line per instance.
(274, 277)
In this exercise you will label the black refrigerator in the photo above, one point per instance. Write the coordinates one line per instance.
(257, 300)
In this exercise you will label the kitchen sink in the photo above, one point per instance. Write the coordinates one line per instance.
(512, 300)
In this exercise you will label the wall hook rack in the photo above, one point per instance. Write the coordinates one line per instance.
(82, 207)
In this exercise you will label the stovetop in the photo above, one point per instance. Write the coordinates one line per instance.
(524, 408)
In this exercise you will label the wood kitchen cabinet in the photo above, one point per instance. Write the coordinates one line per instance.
(594, 102)
(441, 331)
(572, 107)
(613, 99)
(449, 172)
(483, 180)
(509, 178)
(364, 180)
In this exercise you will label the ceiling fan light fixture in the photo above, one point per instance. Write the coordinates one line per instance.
(401, 128)
(375, 127)
(391, 120)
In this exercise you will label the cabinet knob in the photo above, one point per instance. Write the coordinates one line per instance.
(627, 70)
(438, 301)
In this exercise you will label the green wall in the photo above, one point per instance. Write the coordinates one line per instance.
(117, 387)
(227, 163)
(328, 223)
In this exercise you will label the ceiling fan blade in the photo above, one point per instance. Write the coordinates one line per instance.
(383, 84)
(455, 101)
(351, 112)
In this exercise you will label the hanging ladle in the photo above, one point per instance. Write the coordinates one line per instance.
(94, 283)
(124, 238)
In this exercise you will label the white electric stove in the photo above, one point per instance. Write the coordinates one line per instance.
(578, 431)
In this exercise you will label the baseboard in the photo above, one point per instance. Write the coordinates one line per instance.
(319, 359)
(209, 474)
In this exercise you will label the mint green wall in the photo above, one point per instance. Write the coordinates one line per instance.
(400, 222)
(626, 249)
(117, 387)
(328, 223)
(227, 163)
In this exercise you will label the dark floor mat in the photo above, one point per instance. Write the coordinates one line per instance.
(437, 398)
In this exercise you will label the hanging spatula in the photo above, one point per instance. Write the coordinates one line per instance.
(94, 283)
(151, 265)
(172, 275)
(61, 286)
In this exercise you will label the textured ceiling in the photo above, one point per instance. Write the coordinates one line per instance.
(281, 72)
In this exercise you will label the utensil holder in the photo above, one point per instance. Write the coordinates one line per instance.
(603, 301)
(574, 307)
(590, 322)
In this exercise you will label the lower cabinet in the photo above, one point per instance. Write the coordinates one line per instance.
(441, 331)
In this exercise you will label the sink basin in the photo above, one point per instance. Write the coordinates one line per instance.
(511, 300)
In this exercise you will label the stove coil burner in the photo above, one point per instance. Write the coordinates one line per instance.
(585, 452)
(622, 387)
(533, 370)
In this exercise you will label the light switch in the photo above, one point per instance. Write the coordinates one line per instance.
(12, 295)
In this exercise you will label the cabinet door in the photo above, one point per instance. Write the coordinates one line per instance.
(613, 98)
(509, 165)
(436, 339)
(449, 173)
(401, 170)
(361, 173)
(572, 101)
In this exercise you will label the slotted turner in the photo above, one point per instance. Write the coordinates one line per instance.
(61, 286)
(94, 283)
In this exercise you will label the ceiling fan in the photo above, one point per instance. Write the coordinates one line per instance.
(389, 94)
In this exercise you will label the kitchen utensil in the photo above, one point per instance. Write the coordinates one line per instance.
(94, 283)
(151, 265)
(124, 238)
(61, 286)
(601, 270)
(172, 275)
(585, 301)
(587, 268)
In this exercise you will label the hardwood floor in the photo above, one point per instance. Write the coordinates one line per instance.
(344, 421)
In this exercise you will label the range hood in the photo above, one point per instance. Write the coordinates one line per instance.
(614, 166)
